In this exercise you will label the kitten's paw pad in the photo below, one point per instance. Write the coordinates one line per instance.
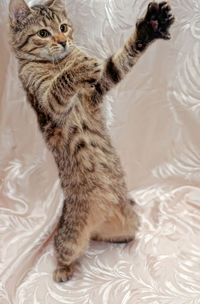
(159, 17)
(155, 24)
(63, 273)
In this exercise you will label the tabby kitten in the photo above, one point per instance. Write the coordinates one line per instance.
(66, 88)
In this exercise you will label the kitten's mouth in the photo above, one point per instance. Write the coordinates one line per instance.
(58, 56)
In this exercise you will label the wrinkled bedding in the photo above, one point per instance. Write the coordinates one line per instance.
(154, 120)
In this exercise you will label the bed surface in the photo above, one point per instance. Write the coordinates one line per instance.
(154, 120)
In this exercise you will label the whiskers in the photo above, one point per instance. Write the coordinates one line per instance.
(55, 49)
(57, 53)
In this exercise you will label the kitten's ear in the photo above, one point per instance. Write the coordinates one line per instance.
(18, 10)
(57, 4)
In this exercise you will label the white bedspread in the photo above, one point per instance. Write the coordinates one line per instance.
(154, 119)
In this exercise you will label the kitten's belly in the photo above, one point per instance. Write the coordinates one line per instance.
(98, 168)
(86, 160)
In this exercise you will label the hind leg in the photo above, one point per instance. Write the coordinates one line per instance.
(68, 251)
(71, 241)
(120, 227)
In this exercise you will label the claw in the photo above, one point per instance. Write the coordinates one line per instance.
(153, 6)
(171, 20)
(152, 9)
(161, 4)
(166, 7)
(166, 36)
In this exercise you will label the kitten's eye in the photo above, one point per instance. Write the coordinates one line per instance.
(43, 33)
(64, 28)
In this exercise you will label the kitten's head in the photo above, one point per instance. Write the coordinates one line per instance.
(42, 32)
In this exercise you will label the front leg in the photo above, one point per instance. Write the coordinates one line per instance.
(154, 25)
(58, 97)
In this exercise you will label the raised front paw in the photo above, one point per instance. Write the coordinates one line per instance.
(155, 24)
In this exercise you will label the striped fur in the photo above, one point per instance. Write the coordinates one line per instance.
(66, 88)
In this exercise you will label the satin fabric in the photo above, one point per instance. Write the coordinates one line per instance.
(154, 119)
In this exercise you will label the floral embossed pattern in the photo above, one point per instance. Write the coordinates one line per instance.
(153, 116)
